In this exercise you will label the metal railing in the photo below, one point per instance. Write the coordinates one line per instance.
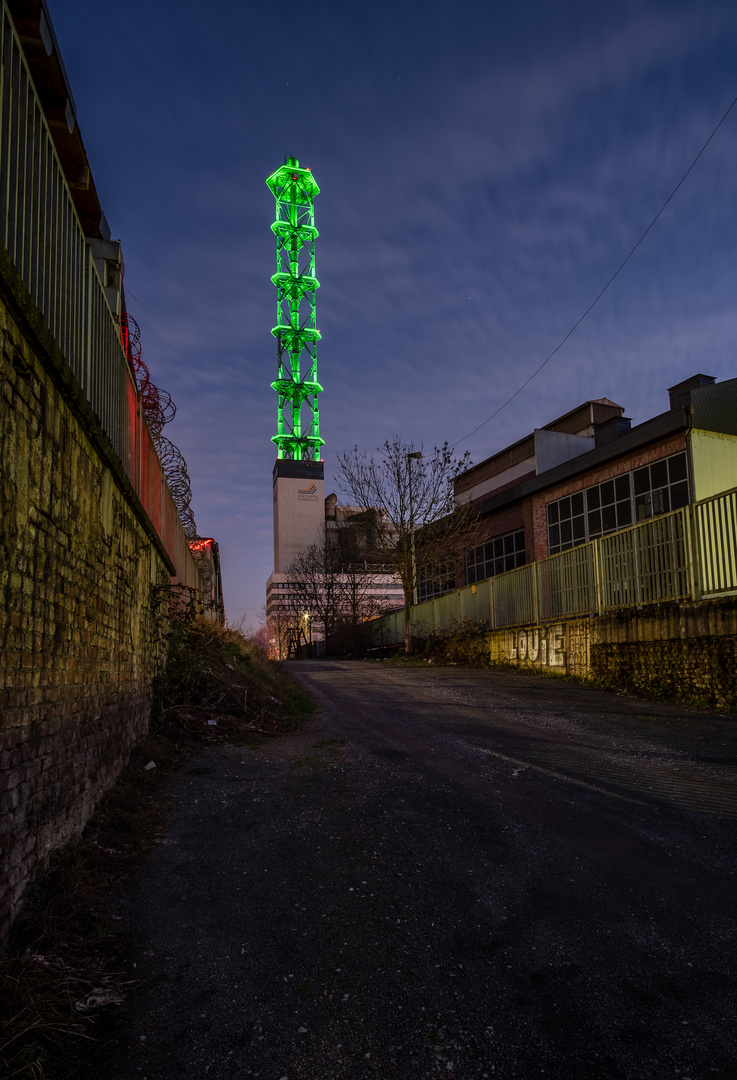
(42, 233)
(646, 563)
(514, 597)
(43, 236)
(715, 526)
(687, 554)
(566, 583)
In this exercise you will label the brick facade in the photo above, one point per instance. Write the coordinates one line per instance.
(80, 639)
(510, 519)
(634, 460)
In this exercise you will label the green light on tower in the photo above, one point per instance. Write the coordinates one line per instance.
(298, 416)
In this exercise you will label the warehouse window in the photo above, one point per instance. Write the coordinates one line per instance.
(495, 556)
(566, 523)
(609, 506)
(660, 487)
(435, 583)
(604, 508)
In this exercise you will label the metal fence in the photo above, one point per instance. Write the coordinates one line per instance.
(566, 583)
(42, 233)
(514, 597)
(715, 526)
(687, 554)
(647, 563)
(38, 223)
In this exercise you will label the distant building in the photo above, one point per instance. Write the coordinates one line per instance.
(303, 517)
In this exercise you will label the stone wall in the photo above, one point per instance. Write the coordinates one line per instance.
(80, 639)
(673, 650)
(686, 651)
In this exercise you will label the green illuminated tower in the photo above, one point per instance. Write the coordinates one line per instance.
(298, 430)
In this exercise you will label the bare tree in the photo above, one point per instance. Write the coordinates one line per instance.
(333, 586)
(361, 599)
(411, 492)
(279, 625)
(313, 586)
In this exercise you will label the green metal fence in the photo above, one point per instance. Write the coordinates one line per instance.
(566, 583)
(686, 554)
(475, 602)
(647, 563)
(715, 525)
(514, 597)
(42, 233)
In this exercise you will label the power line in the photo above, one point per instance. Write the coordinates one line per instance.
(596, 300)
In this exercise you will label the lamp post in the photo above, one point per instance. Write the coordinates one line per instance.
(415, 455)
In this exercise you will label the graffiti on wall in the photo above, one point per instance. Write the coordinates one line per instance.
(543, 645)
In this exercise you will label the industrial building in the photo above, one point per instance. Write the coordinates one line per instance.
(589, 473)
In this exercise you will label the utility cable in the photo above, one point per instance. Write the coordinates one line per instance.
(601, 293)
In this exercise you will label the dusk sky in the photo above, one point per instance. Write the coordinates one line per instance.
(485, 167)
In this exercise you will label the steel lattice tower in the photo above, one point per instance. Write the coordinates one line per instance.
(298, 416)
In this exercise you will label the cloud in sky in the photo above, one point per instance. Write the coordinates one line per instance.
(484, 170)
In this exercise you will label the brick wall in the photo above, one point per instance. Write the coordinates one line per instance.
(79, 641)
(539, 545)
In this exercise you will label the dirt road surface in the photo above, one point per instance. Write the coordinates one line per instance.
(449, 873)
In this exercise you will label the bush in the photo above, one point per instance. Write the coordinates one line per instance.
(465, 643)
(218, 685)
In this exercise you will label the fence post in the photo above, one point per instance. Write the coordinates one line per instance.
(598, 576)
(87, 323)
(690, 528)
(536, 593)
(537, 590)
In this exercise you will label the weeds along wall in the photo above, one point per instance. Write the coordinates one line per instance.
(81, 566)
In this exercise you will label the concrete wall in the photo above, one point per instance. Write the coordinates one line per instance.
(79, 637)
(713, 463)
(686, 650)
(299, 509)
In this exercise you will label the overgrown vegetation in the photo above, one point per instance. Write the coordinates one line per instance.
(66, 960)
(464, 643)
(219, 686)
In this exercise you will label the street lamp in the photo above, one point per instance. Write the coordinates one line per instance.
(414, 456)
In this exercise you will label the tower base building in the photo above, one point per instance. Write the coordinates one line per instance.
(299, 509)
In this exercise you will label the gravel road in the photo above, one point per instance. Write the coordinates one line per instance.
(466, 874)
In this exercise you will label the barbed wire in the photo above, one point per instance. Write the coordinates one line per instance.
(159, 410)
(175, 470)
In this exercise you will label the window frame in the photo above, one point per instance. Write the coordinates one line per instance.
(678, 481)
(508, 551)
(429, 587)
